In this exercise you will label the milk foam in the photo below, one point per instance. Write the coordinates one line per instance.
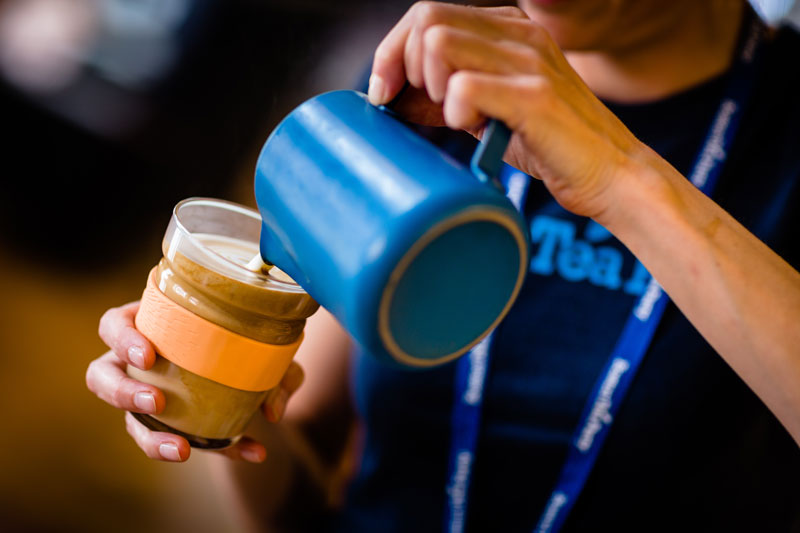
(241, 252)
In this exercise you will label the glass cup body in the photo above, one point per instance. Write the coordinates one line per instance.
(206, 247)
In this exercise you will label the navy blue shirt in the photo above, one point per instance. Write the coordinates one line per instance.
(692, 447)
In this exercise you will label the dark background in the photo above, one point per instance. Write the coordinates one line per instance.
(112, 111)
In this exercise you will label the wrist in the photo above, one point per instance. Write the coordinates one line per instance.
(646, 192)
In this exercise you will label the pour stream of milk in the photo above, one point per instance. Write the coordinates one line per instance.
(256, 264)
(243, 253)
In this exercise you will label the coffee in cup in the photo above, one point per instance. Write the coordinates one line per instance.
(224, 334)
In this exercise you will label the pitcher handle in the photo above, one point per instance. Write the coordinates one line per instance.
(487, 160)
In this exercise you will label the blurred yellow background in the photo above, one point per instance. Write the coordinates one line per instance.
(114, 111)
(67, 463)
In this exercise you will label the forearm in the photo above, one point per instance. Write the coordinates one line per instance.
(741, 296)
(292, 490)
(310, 452)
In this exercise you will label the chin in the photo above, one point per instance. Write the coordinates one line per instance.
(584, 25)
(574, 24)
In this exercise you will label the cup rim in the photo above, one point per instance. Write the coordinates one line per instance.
(230, 206)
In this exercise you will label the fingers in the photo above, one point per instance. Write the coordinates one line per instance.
(275, 404)
(106, 378)
(530, 106)
(246, 449)
(156, 444)
(399, 56)
(118, 332)
(388, 72)
(505, 11)
(471, 96)
(448, 50)
(168, 447)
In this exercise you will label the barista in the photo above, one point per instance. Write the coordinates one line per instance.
(609, 104)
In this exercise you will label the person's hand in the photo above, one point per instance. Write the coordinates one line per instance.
(466, 64)
(106, 378)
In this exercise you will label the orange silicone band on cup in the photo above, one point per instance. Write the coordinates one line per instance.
(207, 349)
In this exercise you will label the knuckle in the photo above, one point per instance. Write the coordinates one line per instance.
(105, 320)
(132, 427)
(540, 38)
(531, 56)
(461, 85)
(381, 54)
(542, 86)
(145, 444)
(427, 13)
(129, 426)
(90, 377)
(523, 58)
(437, 38)
(509, 11)
(535, 33)
(539, 92)
(140, 437)
(150, 451)
(116, 398)
(120, 397)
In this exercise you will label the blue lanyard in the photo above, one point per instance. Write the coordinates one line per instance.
(614, 382)
(469, 385)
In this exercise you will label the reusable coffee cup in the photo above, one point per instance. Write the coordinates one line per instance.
(416, 254)
(224, 335)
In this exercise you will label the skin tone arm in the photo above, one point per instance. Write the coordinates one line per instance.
(310, 453)
(468, 64)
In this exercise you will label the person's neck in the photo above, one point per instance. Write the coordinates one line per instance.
(674, 56)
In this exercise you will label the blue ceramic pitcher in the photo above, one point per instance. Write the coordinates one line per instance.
(417, 255)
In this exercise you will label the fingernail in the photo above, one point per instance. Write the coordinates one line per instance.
(251, 455)
(136, 356)
(169, 451)
(145, 401)
(377, 90)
